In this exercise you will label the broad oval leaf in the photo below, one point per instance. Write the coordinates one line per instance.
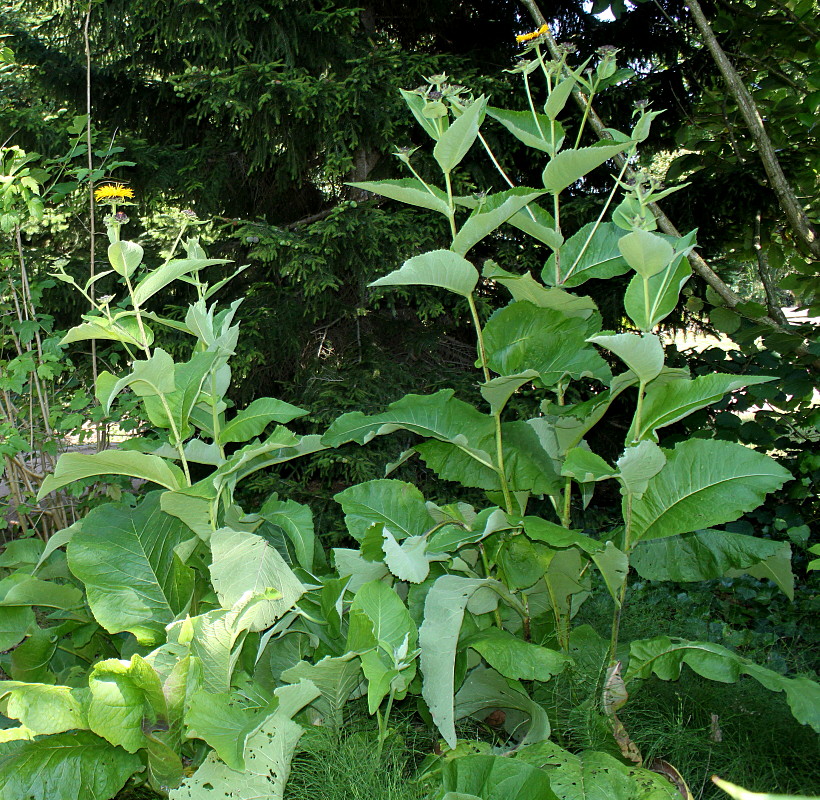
(514, 658)
(398, 505)
(442, 268)
(649, 303)
(708, 554)
(642, 354)
(492, 777)
(647, 253)
(496, 210)
(125, 257)
(533, 131)
(133, 578)
(67, 766)
(703, 483)
(522, 336)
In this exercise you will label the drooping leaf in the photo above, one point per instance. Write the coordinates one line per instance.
(350, 564)
(485, 690)
(665, 658)
(67, 766)
(440, 416)
(703, 483)
(410, 191)
(539, 224)
(398, 505)
(134, 580)
(76, 466)
(569, 166)
(268, 754)
(336, 678)
(15, 623)
(591, 252)
(514, 658)
(438, 638)
(125, 698)
(45, 709)
(668, 402)
(125, 330)
(149, 377)
(708, 554)
(244, 562)
(442, 268)
(584, 466)
(252, 420)
(389, 619)
(296, 520)
(225, 723)
(522, 336)
(525, 287)
(533, 131)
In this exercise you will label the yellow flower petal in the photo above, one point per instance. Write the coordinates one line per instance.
(113, 191)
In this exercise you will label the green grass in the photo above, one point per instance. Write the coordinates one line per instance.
(344, 765)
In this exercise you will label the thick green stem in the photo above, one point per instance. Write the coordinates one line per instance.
(619, 606)
(177, 439)
(567, 512)
(450, 204)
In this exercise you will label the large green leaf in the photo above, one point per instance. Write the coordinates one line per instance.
(525, 287)
(296, 520)
(669, 402)
(125, 257)
(252, 420)
(650, 303)
(491, 214)
(134, 580)
(514, 658)
(398, 505)
(336, 678)
(268, 753)
(15, 622)
(703, 483)
(416, 104)
(442, 268)
(408, 561)
(539, 224)
(665, 658)
(350, 564)
(529, 466)
(68, 766)
(439, 416)
(21, 590)
(244, 562)
(566, 168)
(388, 619)
(592, 775)
(523, 336)
(532, 130)
(148, 377)
(454, 143)
(642, 354)
(646, 252)
(592, 252)
(708, 554)
(438, 639)
(159, 278)
(45, 709)
(225, 723)
(410, 191)
(126, 699)
(76, 466)
(124, 329)
(495, 778)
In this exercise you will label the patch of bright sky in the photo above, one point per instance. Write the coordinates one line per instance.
(604, 16)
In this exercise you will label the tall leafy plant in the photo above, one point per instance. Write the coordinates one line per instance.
(494, 590)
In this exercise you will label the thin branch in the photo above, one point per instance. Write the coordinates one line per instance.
(698, 264)
(764, 271)
(794, 211)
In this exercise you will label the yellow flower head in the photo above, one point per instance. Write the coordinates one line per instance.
(525, 37)
(113, 191)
